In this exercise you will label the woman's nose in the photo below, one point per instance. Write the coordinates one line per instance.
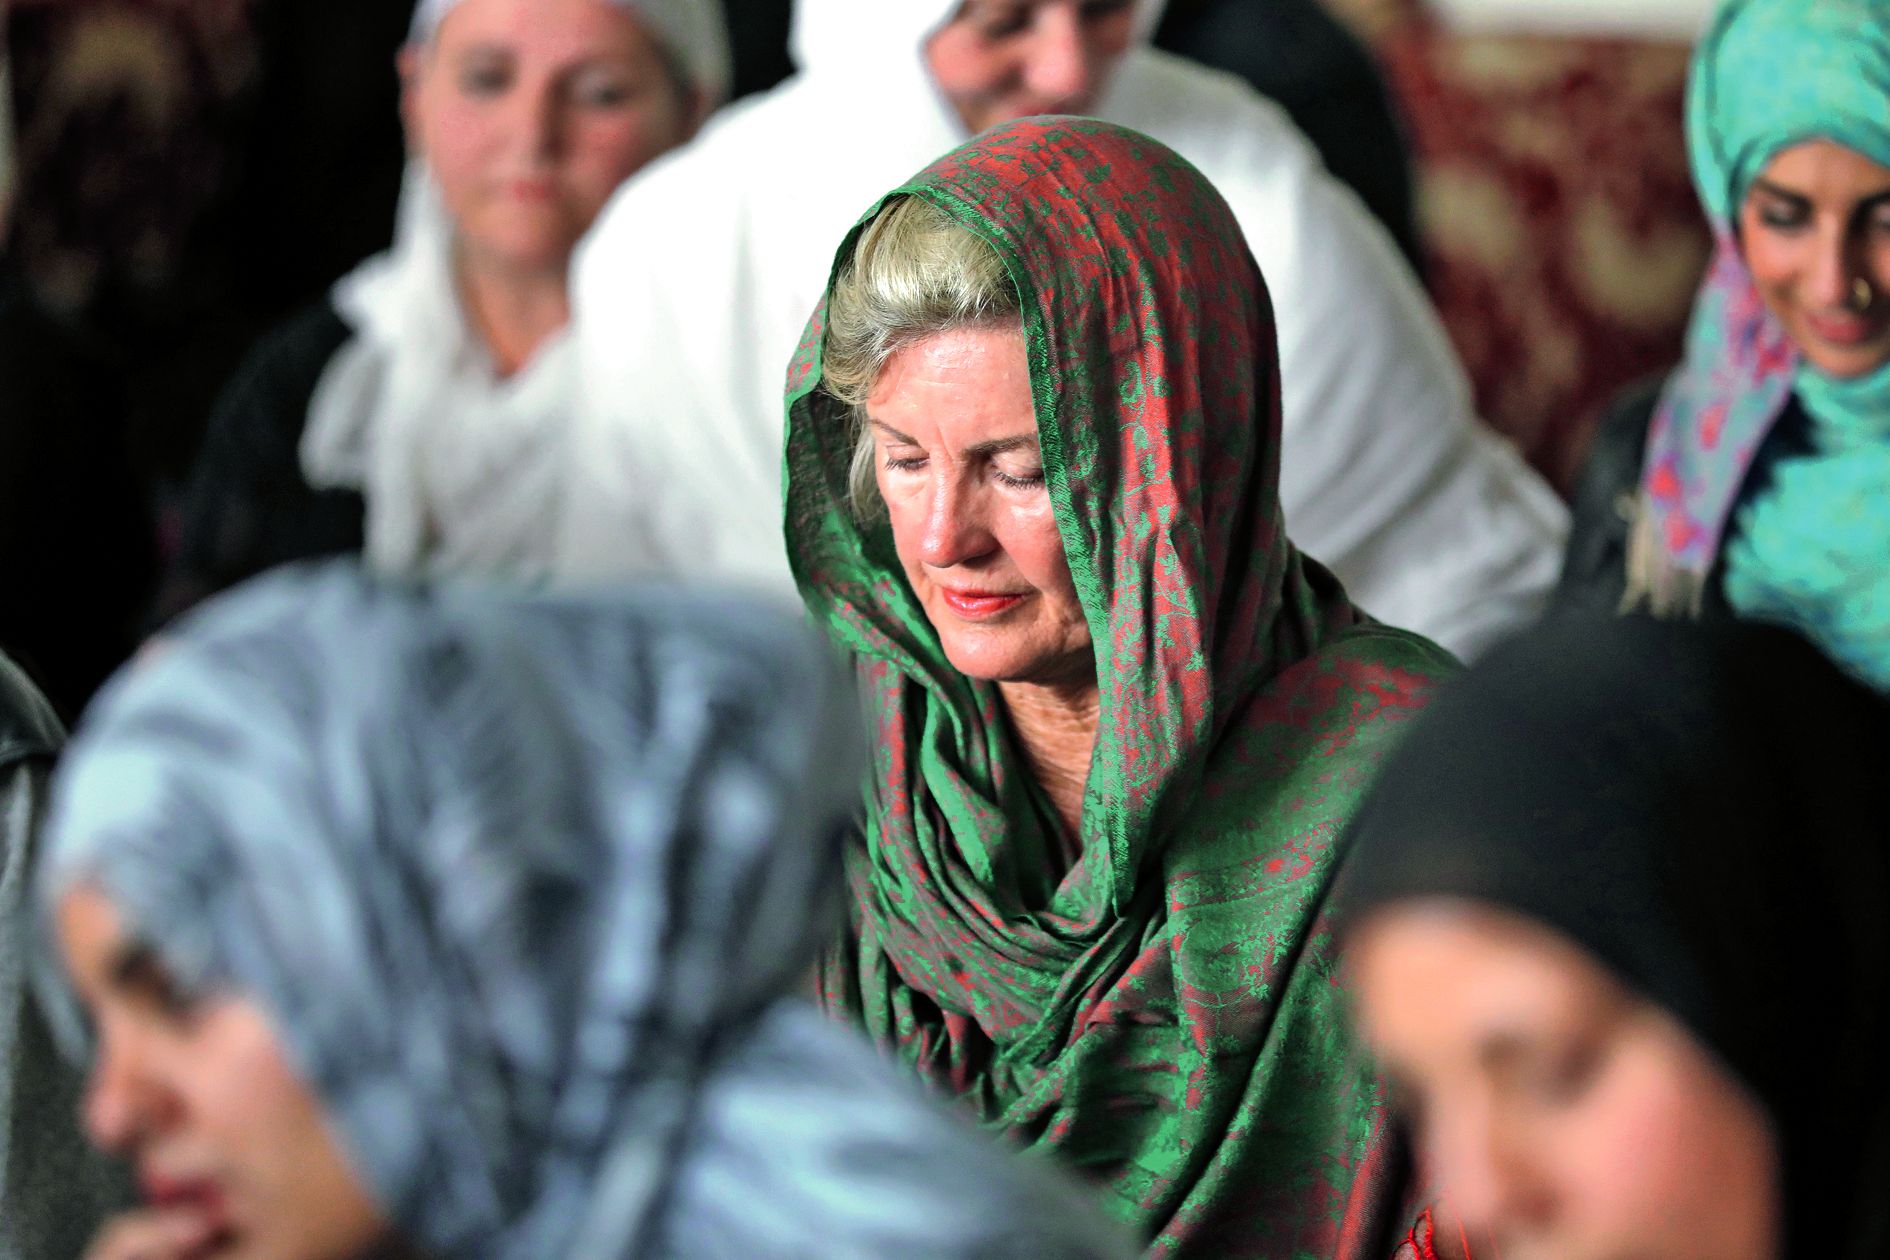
(119, 1102)
(1060, 67)
(1835, 269)
(538, 121)
(954, 531)
(1485, 1181)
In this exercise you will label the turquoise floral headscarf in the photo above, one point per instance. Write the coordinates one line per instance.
(1810, 549)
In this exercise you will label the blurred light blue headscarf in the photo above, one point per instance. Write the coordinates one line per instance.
(1810, 551)
(522, 882)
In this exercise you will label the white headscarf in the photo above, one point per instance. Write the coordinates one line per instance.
(693, 32)
(690, 296)
(463, 470)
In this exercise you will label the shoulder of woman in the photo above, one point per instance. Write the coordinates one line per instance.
(1373, 647)
(1364, 677)
(303, 344)
(278, 376)
(28, 727)
(1359, 688)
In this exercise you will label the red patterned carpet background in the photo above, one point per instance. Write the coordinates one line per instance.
(1564, 239)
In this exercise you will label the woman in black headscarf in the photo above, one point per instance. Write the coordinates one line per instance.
(1618, 920)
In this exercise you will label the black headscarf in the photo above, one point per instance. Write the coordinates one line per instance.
(1703, 810)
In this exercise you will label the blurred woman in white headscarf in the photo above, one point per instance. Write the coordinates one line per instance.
(420, 414)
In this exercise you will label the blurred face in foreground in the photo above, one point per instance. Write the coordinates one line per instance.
(1002, 59)
(233, 1155)
(1556, 1111)
(530, 113)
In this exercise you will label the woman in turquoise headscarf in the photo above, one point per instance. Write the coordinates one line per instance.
(1768, 456)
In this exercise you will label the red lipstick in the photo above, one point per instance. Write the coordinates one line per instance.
(979, 605)
(200, 1196)
(1843, 330)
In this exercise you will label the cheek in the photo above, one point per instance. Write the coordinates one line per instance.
(1775, 263)
(250, 1106)
(1029, 536)
(605, 151)
(302, 1197)
(1672, 1150)
(459, 141)
(248, 1095)
(463, 147)
(963, 66)
(1877, 262)
(908, 503)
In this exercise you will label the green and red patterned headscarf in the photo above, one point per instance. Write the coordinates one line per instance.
(1163, 1015)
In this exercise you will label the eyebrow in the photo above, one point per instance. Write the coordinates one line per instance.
(1766, 186)
(979, 450)
(1001, 446)
(904, 438)
(1786, 194)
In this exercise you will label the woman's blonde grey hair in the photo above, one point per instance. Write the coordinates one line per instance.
(916, 272)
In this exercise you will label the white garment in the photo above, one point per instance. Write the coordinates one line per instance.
(691, 295)
(462, 471)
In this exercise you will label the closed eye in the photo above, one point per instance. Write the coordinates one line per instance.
(142, 977)
(1782, 215)
(1025, 482)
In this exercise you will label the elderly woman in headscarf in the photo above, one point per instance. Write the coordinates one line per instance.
(462, 924)
(1615, 921)
(422, 412)
(1032, 465)
(1767, 457)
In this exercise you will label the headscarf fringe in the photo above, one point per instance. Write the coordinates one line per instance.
(1656, 583)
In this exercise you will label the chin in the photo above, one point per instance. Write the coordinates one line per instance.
(529, 246)
(981, 657)
(984, 665)
(1016, 663)
(1849, 365)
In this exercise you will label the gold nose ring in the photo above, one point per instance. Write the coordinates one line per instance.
(1861, 294)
